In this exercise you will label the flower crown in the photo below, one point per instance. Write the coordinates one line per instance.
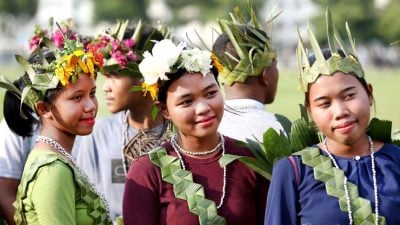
(348, 64)
(166, 58)
(57, 36)
(71, 60)
(122, 55)
(252, 47)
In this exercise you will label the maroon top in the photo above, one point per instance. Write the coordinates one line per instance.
(148, 200)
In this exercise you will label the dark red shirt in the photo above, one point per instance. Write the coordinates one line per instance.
(149, 201)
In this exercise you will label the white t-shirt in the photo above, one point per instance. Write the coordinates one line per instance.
(14, 151)
(100, 156)
(247, 119)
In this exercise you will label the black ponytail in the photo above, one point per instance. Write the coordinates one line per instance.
(12, 103)
(11, 110)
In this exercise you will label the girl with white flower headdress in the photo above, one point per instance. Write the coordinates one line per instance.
(182, 182)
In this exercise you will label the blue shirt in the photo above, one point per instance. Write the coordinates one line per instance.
(306, 202)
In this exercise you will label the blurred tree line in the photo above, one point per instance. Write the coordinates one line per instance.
(366, 21)
(19, 7)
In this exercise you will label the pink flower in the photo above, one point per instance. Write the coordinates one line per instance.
(34, 43)
(129, 43)
(120, 58)
(115, 45)
(132, 56)
(58, 39)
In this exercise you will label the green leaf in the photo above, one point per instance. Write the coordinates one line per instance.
(276, 144)
(258, 150)
(43, 82)
(263, 169)
(26, 65)
(303, 134)
(228, 159)
(380, 129)
(136, 88)
(8, 85)
(285, 122)
(154, 112)
(29, 97)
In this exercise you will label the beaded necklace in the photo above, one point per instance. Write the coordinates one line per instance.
(63, 152)
(350, 213)
(175, 143)
(176, 146)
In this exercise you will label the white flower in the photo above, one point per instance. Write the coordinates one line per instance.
(195, 60)
(167, 51)
(153, 69)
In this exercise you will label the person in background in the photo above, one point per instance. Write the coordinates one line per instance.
(14, 147)
(249, 75)
(59, 87)
(181, 181)
(350, 176)
(130, 131)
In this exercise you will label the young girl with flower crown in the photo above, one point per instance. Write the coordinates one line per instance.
(182, 182)
(349, 177)
(59, 86)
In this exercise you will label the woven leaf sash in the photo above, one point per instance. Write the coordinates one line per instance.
(333, 178)
(185, 188)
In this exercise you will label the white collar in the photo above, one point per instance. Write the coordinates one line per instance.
(244, 103)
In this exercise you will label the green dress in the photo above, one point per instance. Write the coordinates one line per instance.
(53, 191)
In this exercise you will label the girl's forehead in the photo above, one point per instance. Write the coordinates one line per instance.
(335, 83)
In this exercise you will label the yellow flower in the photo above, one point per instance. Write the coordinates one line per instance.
(90, 62)
(61, 75)
(153, 89)
(216, 63)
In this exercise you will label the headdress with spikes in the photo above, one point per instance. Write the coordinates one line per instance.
(122, 55)
(348, 64)
(253, 48)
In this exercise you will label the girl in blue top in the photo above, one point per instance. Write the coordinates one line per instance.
(348, 178)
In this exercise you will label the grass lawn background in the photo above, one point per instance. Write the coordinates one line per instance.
(386, 83)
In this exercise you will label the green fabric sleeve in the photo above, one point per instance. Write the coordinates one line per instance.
(53, 195)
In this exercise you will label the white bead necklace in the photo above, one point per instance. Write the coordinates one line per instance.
(346, 191)
(175, 143)
(63, 152)
(222, 143)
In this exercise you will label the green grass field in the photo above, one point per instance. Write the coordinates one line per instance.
(385, 85)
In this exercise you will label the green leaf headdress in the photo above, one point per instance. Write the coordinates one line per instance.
(69, 62)
(254, 49)
(348, 64)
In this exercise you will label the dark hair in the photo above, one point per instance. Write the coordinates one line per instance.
(327, 54)
(148, 33)
(11, 110)
(163, 88)
(223, 43)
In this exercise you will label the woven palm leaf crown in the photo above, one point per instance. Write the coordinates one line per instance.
(253, 48)
(349, 64)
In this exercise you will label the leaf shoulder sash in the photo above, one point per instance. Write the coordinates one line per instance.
(333, 178)
(185, 188)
